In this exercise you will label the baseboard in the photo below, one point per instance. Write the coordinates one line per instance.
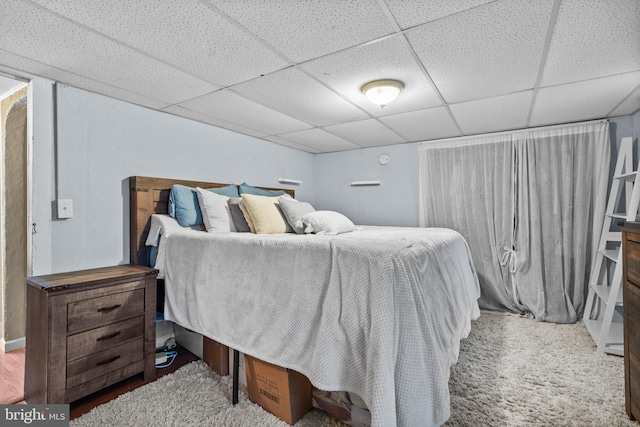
(16, 344)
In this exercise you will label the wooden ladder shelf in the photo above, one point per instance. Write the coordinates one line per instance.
(603, 310)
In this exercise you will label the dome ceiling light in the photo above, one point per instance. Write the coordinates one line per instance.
(382, 92)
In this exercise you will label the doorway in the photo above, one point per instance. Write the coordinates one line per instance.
(13, 209)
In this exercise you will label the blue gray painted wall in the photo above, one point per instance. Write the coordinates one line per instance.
(103, 141)
(396, 202)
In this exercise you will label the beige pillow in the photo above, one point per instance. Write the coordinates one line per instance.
(263, 214)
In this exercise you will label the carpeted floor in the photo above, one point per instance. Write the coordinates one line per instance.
(512, 371)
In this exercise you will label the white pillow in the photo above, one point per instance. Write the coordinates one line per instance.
(216, 214)
(326, 222)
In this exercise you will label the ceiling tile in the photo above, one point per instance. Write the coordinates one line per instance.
(629, 105)
(482, 57)
(320, 140)
(591, 99)
(493, 114)
(593, 39)
(411, 13)
(281, 141)
(346, 72)
(33, 33)
(484, 52)
(296, 94)
(366, 133)
(423, 125)
(232, 107)
(303, 30)
(43, 70)
(200, 117)
(187, 35)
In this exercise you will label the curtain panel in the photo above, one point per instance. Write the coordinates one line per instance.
(531, 206)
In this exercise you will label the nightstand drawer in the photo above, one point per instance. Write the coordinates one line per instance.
(98, 311)
(88, 368)
(99, 339)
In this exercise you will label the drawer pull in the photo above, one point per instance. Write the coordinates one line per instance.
(105, 310)
(106, 362)
(108, 337)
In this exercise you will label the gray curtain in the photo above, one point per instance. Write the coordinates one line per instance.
(531, 206)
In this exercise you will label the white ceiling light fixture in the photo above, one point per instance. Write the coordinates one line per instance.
(382, 92)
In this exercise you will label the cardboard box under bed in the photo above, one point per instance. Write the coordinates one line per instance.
(283, 392)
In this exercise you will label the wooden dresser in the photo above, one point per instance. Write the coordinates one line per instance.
(87, 330)
(631, 298)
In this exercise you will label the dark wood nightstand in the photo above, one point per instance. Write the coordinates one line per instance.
(87, 330)
(631, 298)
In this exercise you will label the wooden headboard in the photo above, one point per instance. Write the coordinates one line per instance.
(150, 196)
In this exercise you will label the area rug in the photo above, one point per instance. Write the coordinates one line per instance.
(512, 371)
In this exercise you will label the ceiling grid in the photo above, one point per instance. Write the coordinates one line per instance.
(545, 50)
(291, 72)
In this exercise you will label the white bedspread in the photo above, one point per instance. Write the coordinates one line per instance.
(379, 311)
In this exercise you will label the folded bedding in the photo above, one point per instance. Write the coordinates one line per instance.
(160, 225)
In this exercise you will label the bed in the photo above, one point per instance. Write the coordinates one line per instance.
(379, 311)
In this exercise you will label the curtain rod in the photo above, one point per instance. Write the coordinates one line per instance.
(508, 132)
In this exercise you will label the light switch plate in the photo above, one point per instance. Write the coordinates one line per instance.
(65, 208)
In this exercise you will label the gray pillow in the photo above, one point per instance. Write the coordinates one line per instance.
(293, 210)
(239, 221)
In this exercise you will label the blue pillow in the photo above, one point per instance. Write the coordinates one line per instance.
(247, 189)
(230, 190)
(184, 206)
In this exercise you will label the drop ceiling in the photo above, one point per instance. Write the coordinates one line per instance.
(290, 72)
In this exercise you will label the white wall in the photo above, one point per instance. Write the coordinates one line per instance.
(42, 182)
(103, 141)
(395, 202)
